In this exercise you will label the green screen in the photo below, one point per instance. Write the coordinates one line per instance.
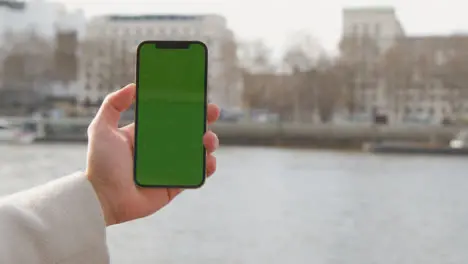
(170, 114)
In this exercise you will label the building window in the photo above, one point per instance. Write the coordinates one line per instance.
(439, 57)
(377, 30)
(407, 110)
(431, 111)
(429, 85)
(355, 30)
(87, 102)
(101, 52)
(365, 29)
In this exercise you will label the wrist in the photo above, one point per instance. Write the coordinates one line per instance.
(107, 211)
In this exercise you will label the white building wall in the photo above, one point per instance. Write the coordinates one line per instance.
(383, 27)
(127, 32)
(382, 24)
(427, 100)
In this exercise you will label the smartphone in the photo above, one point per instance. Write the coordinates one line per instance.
(170, 114)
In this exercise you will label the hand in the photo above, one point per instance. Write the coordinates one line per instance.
(110, 162)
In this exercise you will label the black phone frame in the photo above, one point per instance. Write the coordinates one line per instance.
(170, 45)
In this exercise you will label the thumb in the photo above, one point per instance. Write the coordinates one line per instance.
(114, 104)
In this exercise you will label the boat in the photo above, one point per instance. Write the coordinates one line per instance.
(457, 146)
(460, 141)
(16, 134)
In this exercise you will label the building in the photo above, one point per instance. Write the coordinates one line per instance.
(108, 52)
(36, 36)
(408, 78)
(379, 24)
(42, 17)
(367, 34)
(428, 78)
(39, 17)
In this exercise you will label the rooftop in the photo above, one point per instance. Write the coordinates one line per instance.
(432, 43)
(437, 37)
(153, 17)
(376, 9)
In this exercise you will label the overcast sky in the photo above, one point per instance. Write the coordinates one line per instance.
(274, 20)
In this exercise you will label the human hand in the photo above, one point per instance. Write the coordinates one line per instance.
(110, 162)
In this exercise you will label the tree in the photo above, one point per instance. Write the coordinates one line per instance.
(330, 82)
(302, 52)
(28, 61)
(348, 73)
(256, 68)
(255, 56)
(398, 72)
(300, 59)
(26, 70)
(453, 73)
(359, 58)
(229, 78)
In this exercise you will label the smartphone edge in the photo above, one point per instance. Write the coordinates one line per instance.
(205, 122)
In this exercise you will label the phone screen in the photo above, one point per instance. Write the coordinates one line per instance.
(170, 117)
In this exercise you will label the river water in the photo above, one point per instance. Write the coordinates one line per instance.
(268, 205)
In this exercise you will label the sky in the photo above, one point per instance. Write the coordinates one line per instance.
(275, 21)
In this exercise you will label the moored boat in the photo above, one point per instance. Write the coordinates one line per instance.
(457, 146)
(16, 134)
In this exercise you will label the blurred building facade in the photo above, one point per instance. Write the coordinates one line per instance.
(108, 53)
(40, 16)
(367, 34)
(429, 72)
(405, 77)
(381, 24)
(36, 38)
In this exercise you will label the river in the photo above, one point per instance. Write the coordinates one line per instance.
(268, 205)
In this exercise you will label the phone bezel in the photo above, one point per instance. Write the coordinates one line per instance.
(170, 45)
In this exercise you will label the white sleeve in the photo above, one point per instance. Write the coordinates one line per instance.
(59, 222)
